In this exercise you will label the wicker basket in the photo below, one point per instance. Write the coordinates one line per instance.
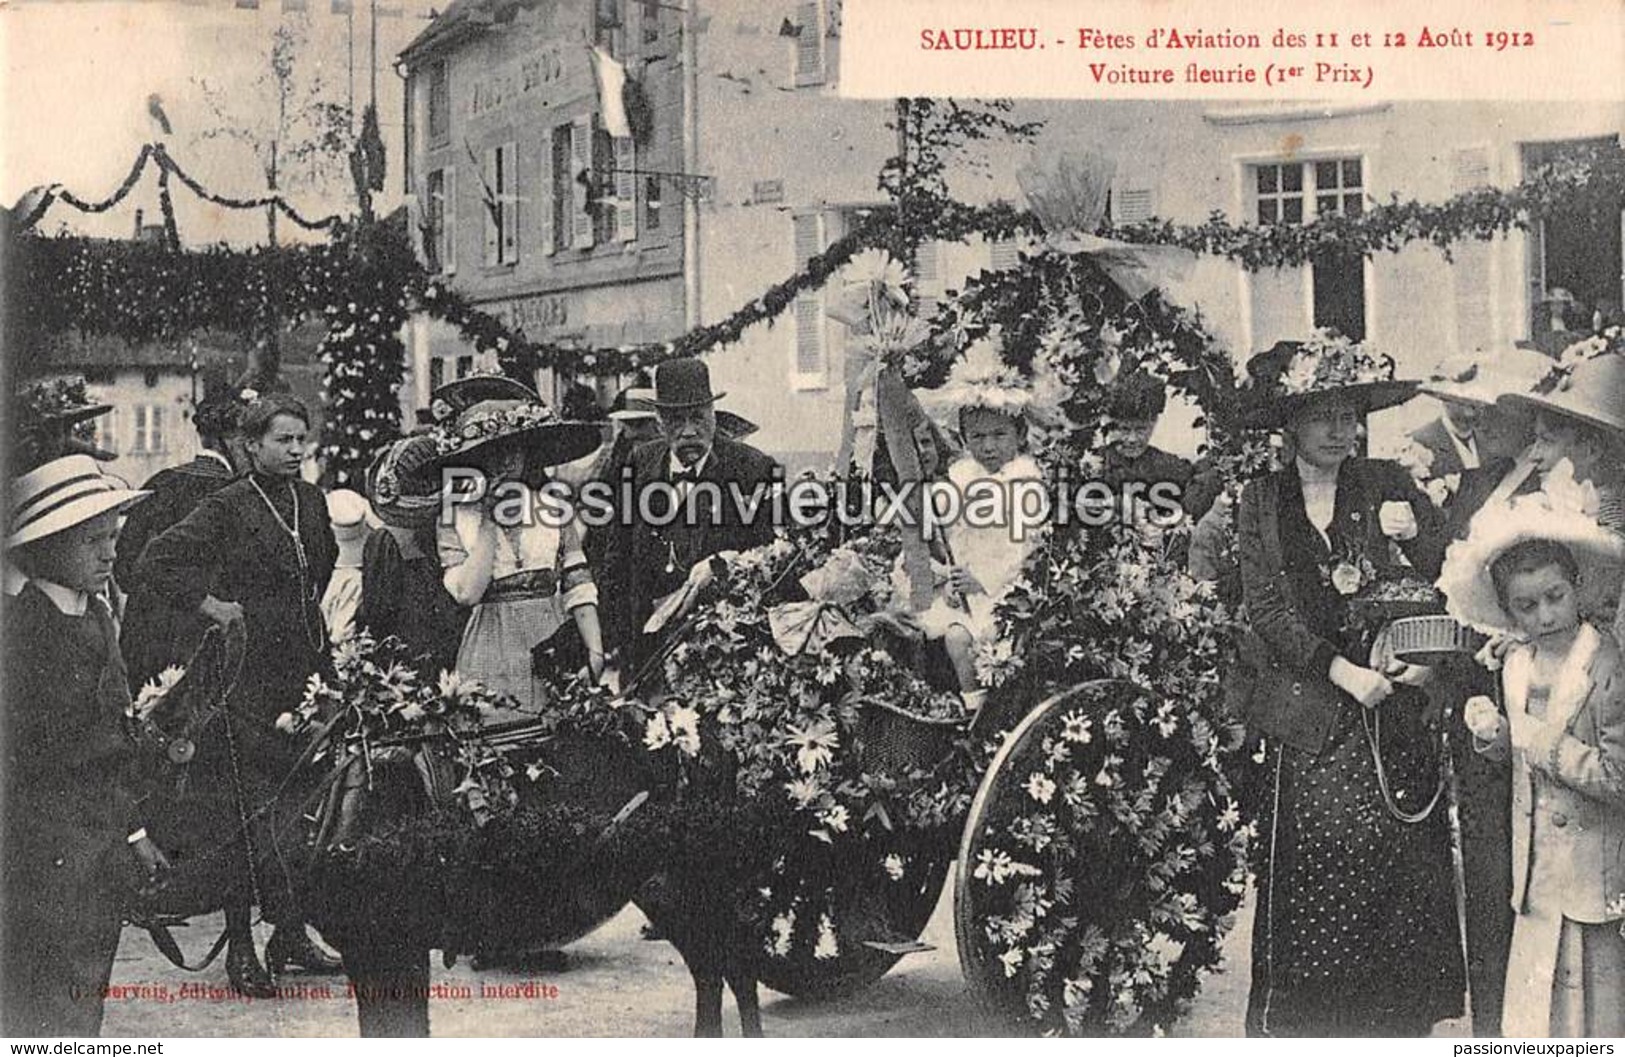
(893, 741)
(1426, 640)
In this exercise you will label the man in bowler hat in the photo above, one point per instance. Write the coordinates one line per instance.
(649, 555)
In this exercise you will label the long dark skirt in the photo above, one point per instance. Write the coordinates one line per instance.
(1356, 931)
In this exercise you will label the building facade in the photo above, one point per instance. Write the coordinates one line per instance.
(789, 166)
(525, 198)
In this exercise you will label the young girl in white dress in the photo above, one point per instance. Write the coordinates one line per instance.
(997, 510)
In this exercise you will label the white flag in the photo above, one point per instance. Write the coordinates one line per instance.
(611, 92)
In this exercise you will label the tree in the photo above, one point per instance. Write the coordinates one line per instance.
(298, 137)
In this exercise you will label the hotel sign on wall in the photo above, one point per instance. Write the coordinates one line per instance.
(536, 71)
(536, 316)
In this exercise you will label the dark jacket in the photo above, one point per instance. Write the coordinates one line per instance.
(155, 634)
(231, 546)
(403, 594)
(644, 562)
(71, 784)
(1493, 444)
(1298, 620)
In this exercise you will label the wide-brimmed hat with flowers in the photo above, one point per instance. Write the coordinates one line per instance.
(1587, 383)
(1564, 512)
(1290, 375)
(499, 413)
(62, 493)
(982, 379)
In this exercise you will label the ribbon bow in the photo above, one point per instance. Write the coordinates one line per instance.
(806, 627)
(1068, 195)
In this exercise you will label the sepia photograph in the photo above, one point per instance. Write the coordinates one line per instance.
(650, 518)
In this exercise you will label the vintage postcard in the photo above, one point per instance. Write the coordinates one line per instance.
(840, 518)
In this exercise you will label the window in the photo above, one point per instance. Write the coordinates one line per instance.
(1577, 249)
(501, 194)
(149, 430)
(1297, 192)
(609, 27)
(810, 367)
(439, 104)
(615, 187)
(1003, 255)
(650, 21)
(439, 220)
(465, 366)
(104, 430)
(437, 372)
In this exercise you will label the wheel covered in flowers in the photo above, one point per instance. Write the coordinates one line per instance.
(1094, 871)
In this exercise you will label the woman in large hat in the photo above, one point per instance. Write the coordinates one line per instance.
(72, 832)
(1355, 933)
(402, 592)
(1579, 413)
(506, 553)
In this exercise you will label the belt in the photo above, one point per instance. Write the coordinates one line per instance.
(533, 583)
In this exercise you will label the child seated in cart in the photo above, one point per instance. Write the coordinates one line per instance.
(992, 522)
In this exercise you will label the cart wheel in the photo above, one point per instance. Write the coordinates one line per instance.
(881, 911)
(1053, 886)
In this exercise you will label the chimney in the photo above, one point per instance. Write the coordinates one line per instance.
(138, 231)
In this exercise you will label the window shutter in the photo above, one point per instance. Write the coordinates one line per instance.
(580, 164)
(1003, 255)
(547, 193)
(448, 224)
(809, 237)
(626, 187)
(928, 277)
(487, 189)
(809, 44)
(809, 369)
(509, 192)
(1470, 273)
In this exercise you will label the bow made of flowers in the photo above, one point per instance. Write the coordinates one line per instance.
(807, 627)
(1067, 193)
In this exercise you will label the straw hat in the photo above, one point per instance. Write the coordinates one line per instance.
(61, 494)
(1291, 374)
(348, 513)
(1483, 378)
(1587, 383)
(1563, 512)
(632, 404)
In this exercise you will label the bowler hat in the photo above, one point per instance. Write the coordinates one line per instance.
(684, 383)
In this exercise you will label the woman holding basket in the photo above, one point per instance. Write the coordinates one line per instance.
(1355, 931)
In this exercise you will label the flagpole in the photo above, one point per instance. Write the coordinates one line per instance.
(372, 67)
(349, 84)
